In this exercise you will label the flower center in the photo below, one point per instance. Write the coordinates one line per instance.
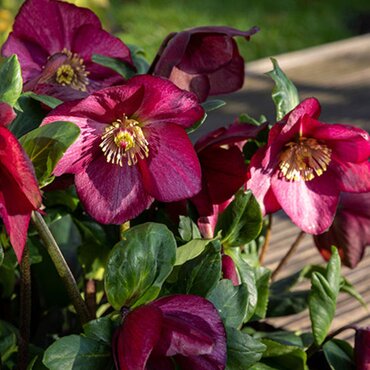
(72, 72)
(124, 139)
(304, 159)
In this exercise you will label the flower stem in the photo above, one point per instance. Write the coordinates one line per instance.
(61, 267)
(90, 296)
(267, 240)
(290, 252)
(25, 310)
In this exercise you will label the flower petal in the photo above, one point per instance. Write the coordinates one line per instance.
(172, 161)
(137, 337)
(110, 193)
(7, 114)
(311, 204)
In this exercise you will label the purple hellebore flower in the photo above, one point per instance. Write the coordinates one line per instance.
(229, 270)
(362, 349)
(350, 231)
(132, 148)
(54, 42)
(182, 330)
(204, 60)
(19, 190)
(305, 166)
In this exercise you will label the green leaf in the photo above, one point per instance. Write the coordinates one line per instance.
(8, 341)
(339, 355)
(1, 255)
(246, 118)
(248, 277)
(347, 287)
(138, 58)
(138, 265)
(190, 250)
(230, 301)
(262, 276)
(46, 145)
(323, 297)
(115, 64)
(287, 303)
(10, 80)
(211, 105)
(29, 116)
(196, 125)
(242, 350)
(100, 330)
(283, 357)
(49, 101)
(241, 221)
(188, 230)
(201, 274)
(284, 93)
(78, 352)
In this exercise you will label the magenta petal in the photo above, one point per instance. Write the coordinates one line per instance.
(7, 114)
(353, 177)
(110, 193)
(229, 269)
(166, 103)
(137, 337)
(160, 363)
(172, 161)
(311, 204)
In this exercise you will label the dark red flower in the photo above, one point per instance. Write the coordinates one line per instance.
(224, 171)
(362, 349)
(204, 60)
(306, 164)
(180, 331)
(54, 42)
(132, 148)
(229, 270)
(350, 231)
(19, 191)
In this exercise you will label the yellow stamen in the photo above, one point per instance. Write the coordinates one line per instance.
(124, 139)
(65, 74)
(304, 160)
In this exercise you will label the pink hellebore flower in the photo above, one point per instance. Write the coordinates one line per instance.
(362, 349)
(55, 41)
(350, 231)
(224, 171)
(19, 191)
(204, 60)
(182, 330)
(306, 164)
(132, 147)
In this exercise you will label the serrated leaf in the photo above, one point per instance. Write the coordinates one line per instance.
(339, 355)
(11, 82)
(100, 329)
(323, 297)
(78, 352)
(262, 276)
(287, 303)
(211, 105)
(241, 221)
(230, 301)
(284, 93)
(138, 265)
(46, 145)
(242, 350)
(115, 64)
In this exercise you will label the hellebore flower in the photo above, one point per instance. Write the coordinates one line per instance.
(182, 330)
(204, 60)
(132, 147)
(229, 270)
(224, 171)
(362, 349)
(306, 164)
(55, 41)
(19, 191)
(350, 231)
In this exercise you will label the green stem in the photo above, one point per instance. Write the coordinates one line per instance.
(61, 267)
(267, 240)
(290, 252)
(25, 310)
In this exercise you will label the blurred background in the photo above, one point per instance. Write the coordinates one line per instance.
(286, 25)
